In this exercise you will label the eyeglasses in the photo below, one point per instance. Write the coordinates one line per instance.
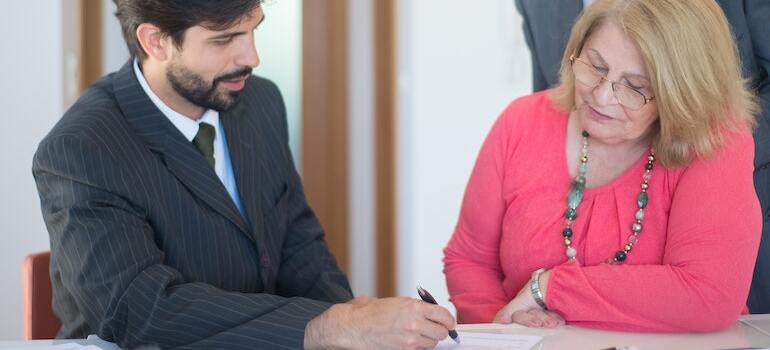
(628, 97)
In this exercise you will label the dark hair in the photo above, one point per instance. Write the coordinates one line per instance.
(174, 17)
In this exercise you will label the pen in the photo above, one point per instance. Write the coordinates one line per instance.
(426, 297)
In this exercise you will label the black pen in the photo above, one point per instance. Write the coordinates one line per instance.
(426, 297)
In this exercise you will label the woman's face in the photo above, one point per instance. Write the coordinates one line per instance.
(617, 58)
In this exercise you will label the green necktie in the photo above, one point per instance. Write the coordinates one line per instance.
(204, 141)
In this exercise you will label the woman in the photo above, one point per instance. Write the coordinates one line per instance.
(622, 199)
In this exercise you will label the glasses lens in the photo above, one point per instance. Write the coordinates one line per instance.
(629, 97)
(586, 74)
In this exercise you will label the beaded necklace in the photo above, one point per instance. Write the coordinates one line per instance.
(578, 185)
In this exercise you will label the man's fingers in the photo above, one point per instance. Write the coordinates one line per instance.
(417, 341)
(432, 330)
(441, 316)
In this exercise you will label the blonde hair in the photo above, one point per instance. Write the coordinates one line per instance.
(691, 58)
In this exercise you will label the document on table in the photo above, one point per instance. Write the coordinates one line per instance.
(66, 346)
(489, 341)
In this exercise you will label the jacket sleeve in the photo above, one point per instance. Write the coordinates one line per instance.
(307, 268)
(109, 263)
(539, 81)
(757, 16)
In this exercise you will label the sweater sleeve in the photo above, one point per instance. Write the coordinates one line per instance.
(472, 258)
(711, 245)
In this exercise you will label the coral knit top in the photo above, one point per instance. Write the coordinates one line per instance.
(690, 269)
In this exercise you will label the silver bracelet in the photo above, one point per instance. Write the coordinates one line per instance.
(534, 286)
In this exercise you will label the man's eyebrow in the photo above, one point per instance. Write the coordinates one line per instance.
(234, 34)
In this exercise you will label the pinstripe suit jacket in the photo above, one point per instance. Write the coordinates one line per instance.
(147, 247)
(547, 24)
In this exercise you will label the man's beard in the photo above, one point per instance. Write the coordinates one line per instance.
(195, 89)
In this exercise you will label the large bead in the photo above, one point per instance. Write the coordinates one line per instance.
(567, 233)
(571, 252)
(574, 198)
(636, 227)
(620, 255)
(641, 201)
(632, 239)
(639, 215)
(570, 214)
(583, 168)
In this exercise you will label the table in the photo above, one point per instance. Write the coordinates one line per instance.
(748, 331)
(39, 344)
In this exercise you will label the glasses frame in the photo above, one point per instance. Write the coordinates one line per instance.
(572, 60)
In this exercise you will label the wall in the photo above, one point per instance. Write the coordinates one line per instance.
(32, 96)
(114, 50)
(459, 64)
(279, 45)
(361, 154)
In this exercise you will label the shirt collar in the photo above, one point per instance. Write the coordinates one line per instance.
(187, 126)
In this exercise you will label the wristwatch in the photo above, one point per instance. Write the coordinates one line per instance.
(534, 286)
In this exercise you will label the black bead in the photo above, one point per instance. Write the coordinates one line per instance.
(585, 133)
(567, 232)
(571, 213)
(648, 166)
(620, 255)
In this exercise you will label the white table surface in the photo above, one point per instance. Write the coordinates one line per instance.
(749, 331)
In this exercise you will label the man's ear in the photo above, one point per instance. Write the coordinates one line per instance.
(153, 42)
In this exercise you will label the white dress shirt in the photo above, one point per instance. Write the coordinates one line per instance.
(189, 128)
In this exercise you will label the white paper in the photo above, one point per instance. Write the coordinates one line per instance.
(65, 346)
(490, 341)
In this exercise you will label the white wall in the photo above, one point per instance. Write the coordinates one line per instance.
(459, 64)
(114, 50)
(32, 71)
(279, 45)
(361, 156)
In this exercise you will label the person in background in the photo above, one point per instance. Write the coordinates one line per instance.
(546, 29)
(622, 198)
(176, 216)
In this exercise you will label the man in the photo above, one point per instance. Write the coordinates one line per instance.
(176, 215)
(547, 25)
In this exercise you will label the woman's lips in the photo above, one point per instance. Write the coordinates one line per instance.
(597, 115)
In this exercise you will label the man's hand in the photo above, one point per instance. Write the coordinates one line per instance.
(389, 323)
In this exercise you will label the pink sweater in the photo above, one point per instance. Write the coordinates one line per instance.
(689, 271)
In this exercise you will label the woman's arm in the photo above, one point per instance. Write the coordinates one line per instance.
(472, 258)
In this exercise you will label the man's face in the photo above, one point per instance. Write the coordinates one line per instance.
(211, 67)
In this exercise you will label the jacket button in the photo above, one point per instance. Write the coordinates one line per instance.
(265, 261)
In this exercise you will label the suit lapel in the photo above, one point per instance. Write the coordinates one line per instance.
(244, 140)
(246, 157)
(179, 155)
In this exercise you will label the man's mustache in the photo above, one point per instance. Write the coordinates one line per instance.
(233, 75)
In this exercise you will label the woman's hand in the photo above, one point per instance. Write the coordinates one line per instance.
(525, 311)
